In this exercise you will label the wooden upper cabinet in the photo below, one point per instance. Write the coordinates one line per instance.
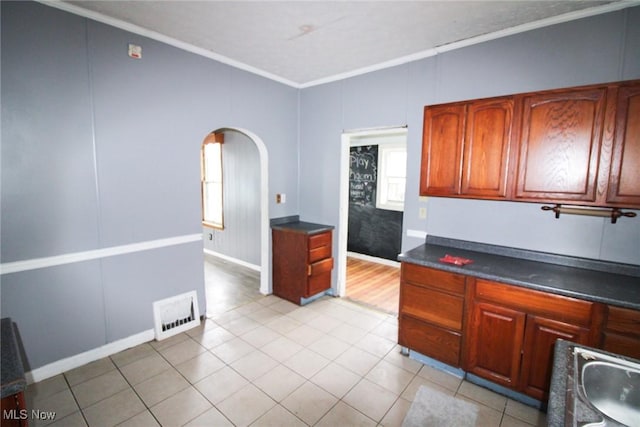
(560, 145)
(442, 139)
(624, 178)
(465, 148)
(486, 147)
(577, 146)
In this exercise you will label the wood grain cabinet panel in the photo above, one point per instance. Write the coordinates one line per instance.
(486, 148)
(624, 178)
(560, 145)
(439, 343)
(442, 138)
(537, 355)
(465, 149)
(621, 333)
(496, 336)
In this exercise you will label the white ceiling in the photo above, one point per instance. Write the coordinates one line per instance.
(303, 43)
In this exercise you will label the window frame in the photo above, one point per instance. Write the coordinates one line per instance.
(382, 178)
(212, 138)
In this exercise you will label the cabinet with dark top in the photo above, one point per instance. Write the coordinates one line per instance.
(302, 260)
(431, 315)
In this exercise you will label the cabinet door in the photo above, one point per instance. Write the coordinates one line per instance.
(443, 132)
(495, 343)
(486, 148)
(622, 332)
(624, 179)
(537, 360)
(560, 145)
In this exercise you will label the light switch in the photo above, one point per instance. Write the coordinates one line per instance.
(422, 213)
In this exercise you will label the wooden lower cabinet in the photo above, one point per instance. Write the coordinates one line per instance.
(495, 343)
(302, 263)
(512, 337)
(431, 315)
(537, 355)
(503, 333)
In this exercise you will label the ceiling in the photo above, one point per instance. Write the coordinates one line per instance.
(303, 43)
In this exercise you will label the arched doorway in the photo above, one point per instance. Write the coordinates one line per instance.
(263, 177)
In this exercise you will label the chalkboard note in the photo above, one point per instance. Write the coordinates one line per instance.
(363, 174)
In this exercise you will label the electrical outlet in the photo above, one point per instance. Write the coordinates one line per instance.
(422, 213)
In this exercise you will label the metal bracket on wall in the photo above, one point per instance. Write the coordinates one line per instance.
(613, 213)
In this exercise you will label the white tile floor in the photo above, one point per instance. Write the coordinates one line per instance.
(264, 362)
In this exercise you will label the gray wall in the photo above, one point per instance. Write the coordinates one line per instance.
(591, 50)
(100, 150)
(240, 238)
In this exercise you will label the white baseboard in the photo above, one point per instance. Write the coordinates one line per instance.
(64, 365)
(370, 258)
(233, 260)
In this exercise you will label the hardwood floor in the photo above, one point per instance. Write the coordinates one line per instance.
(373, 284)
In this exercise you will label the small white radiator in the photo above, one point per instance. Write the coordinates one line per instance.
(176, 314)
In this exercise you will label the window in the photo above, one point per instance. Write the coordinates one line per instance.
(392, 176)
(211, 180)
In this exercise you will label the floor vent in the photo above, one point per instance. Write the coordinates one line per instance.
(176, 314)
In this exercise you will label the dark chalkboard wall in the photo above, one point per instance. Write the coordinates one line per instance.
(372, 231)
(363, 175)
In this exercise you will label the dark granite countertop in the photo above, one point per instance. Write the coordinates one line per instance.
(592, 280)
(12, 371)
(302, 227)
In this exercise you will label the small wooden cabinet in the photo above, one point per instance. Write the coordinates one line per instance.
(577, 146)
(466, 148)
(302, 262)
(621, 333)
(431, 315)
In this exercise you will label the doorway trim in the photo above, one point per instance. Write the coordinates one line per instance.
(265, 264)
(343, 221)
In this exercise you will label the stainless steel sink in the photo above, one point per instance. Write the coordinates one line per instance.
(609, 385)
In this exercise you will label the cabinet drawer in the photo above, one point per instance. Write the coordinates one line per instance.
(320, 267)
(558, 307)
(441, 344)
(624, 320)
(317, 254)
(439, 279)
(320, 239)
(435, 307)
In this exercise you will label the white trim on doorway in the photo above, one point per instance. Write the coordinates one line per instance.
(265, 264)
(343, 221)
